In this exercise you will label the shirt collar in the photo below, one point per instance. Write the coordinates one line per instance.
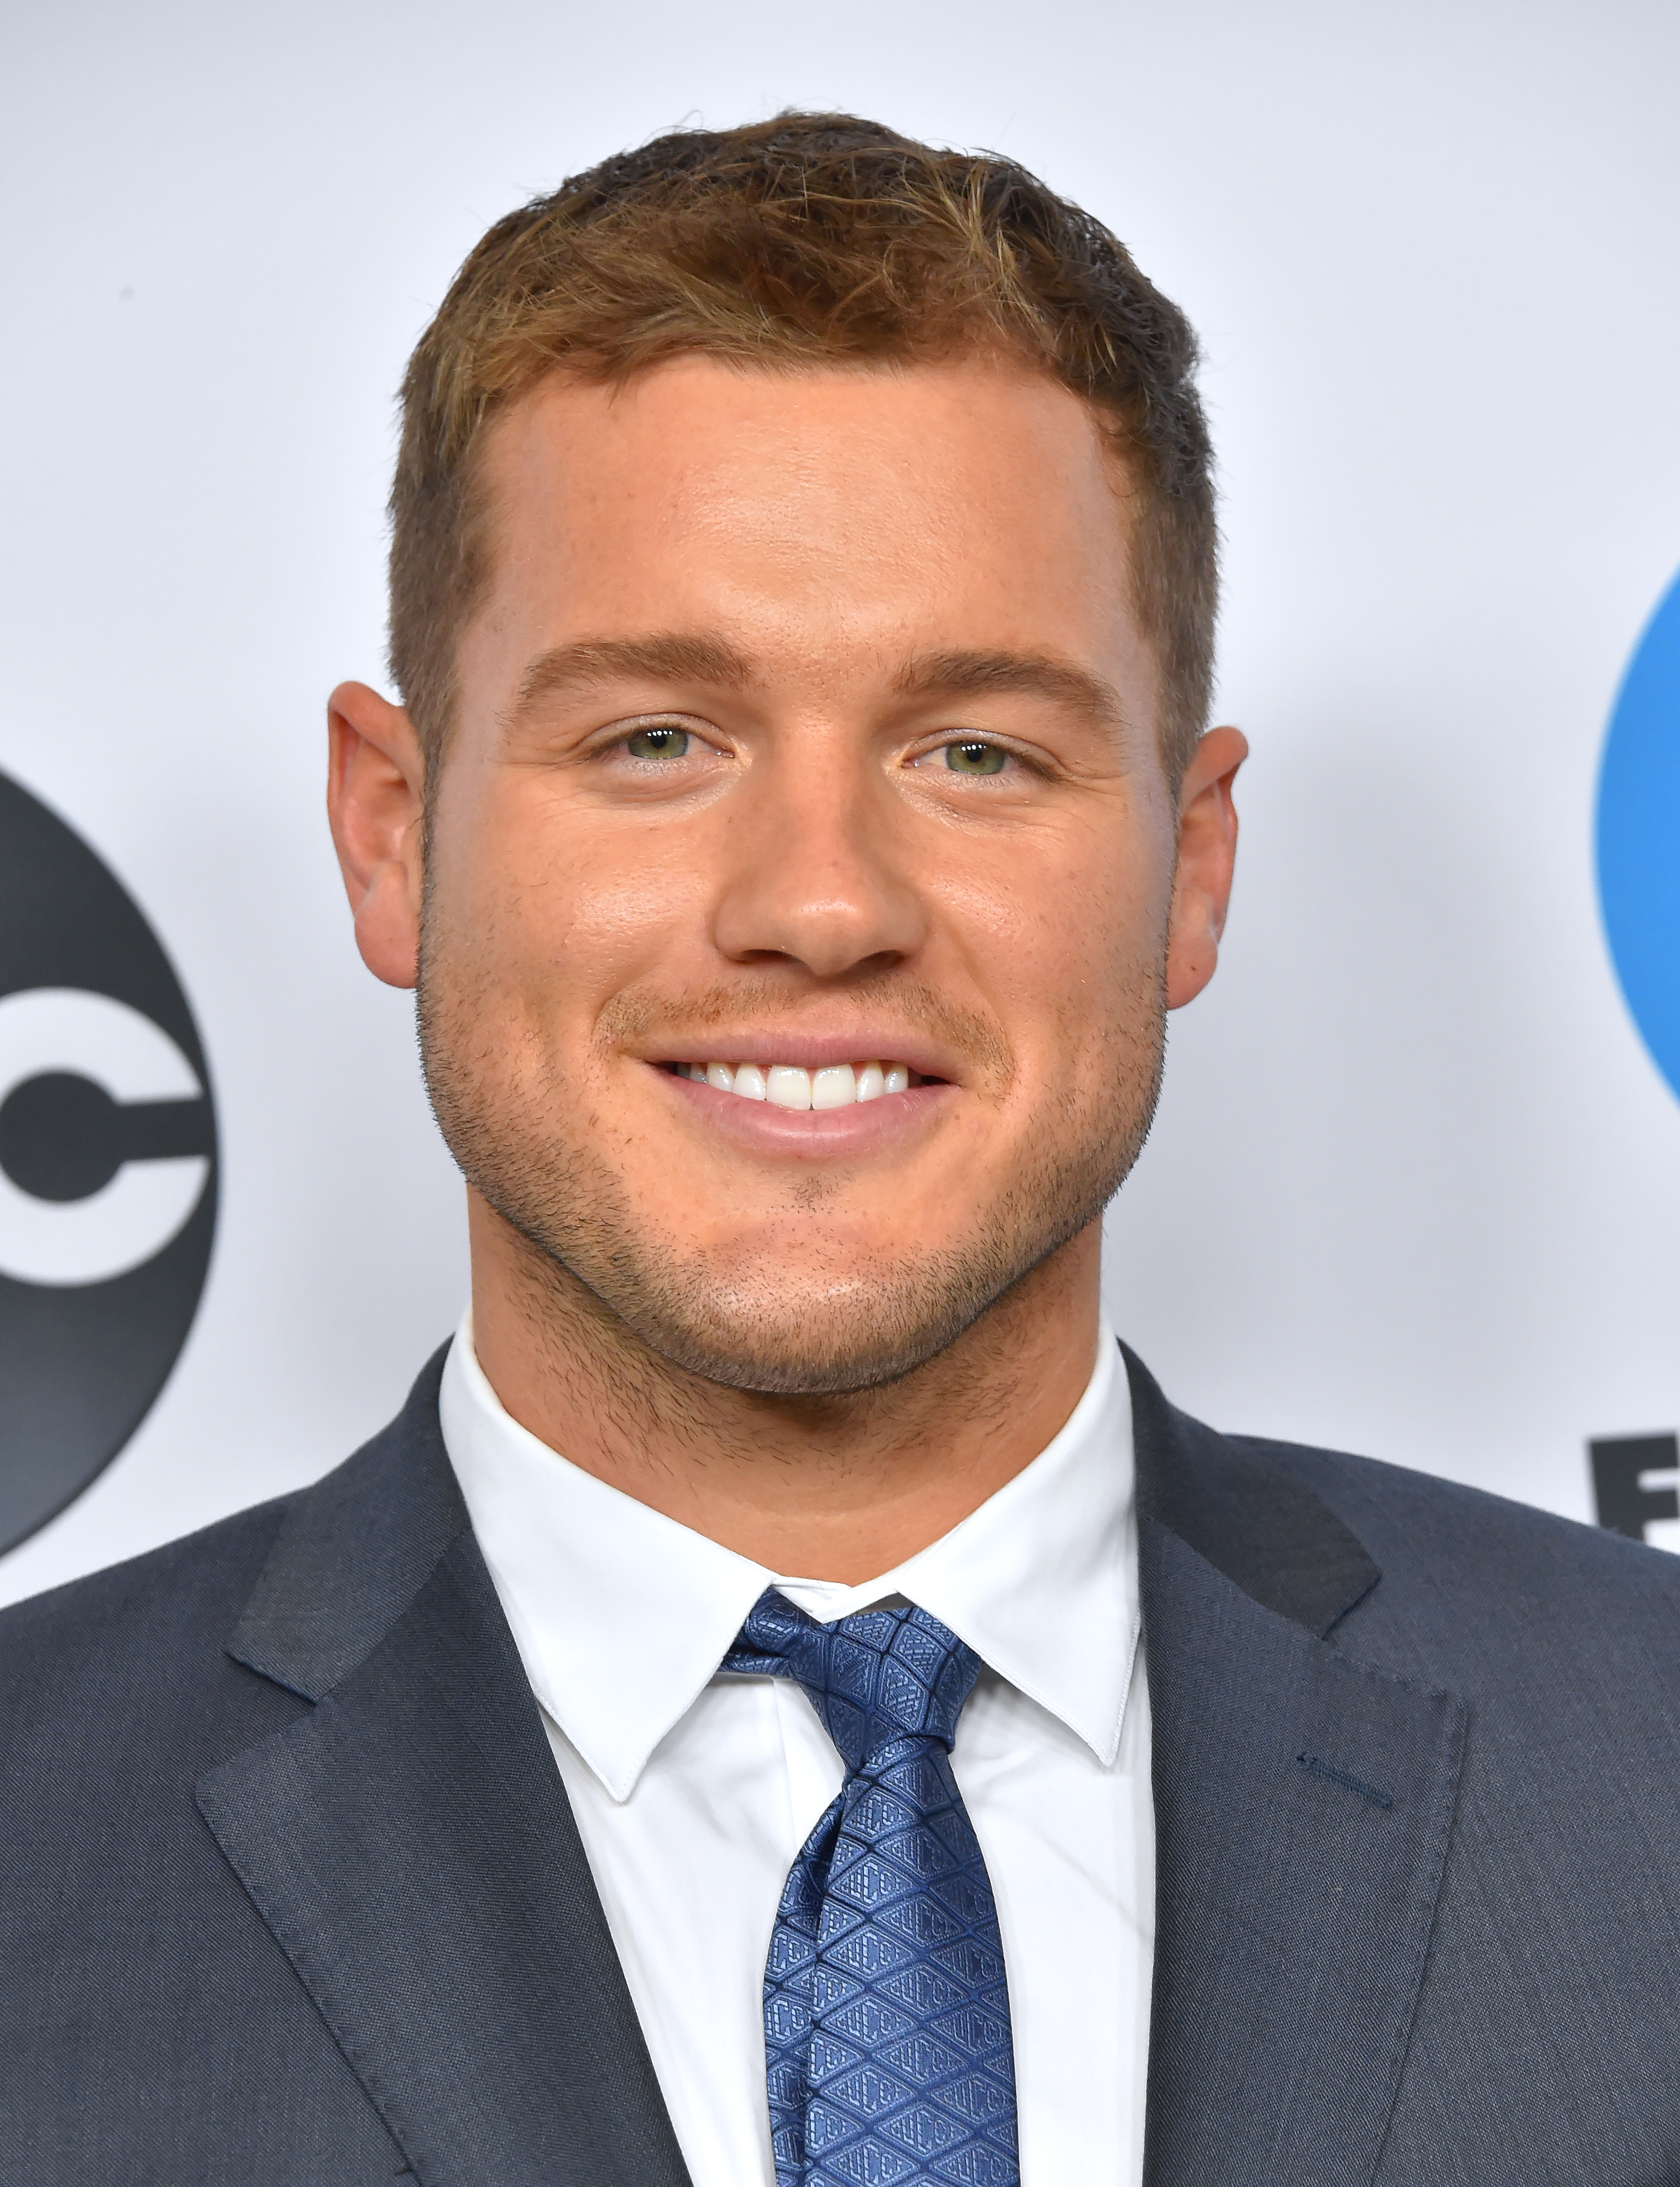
(622, 1615)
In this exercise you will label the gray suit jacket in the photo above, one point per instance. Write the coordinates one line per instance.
(290, 1892)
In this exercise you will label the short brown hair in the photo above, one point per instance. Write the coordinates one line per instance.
(812, 240)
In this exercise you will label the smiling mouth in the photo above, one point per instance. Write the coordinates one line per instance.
(791, 1086)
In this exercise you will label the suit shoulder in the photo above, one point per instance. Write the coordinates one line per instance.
(1485, 1561)
(119, 1687)
(207, 1577)
(168, 1601)
(1386, 1494)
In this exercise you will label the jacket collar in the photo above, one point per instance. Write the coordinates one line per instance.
(1253, 1521)
(1304, 1803)
(353, 1551)
(409, 1845)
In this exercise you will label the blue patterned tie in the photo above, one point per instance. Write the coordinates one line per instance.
(886, 2015)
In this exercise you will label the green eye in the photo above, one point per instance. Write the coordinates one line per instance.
(657, 743)
(973, 757)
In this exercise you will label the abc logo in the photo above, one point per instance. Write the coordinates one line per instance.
(107, 1165)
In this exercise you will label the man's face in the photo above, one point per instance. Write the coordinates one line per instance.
(806, 738)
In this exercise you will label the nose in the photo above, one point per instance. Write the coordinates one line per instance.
(817, 871)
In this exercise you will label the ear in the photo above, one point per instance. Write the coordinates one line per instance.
(376, 806)
(1207, 856)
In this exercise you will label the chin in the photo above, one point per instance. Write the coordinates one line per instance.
(756, 1323)
(827, 1354)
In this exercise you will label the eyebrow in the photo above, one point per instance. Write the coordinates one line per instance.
(1033, 675)
(667, 657)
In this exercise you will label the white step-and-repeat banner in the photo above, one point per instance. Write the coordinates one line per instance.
(1415, 1187)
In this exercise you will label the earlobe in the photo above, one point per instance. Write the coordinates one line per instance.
(376, 808)
(387, 927)
(1192, 952)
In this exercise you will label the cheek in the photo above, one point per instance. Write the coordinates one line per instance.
(1066, 937)
(551, 911)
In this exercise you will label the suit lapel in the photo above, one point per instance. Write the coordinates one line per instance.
(1303, 1805)
(409, 1844)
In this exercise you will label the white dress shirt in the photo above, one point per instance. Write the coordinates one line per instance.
(694, 1791)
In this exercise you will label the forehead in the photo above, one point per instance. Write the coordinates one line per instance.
(973, 502)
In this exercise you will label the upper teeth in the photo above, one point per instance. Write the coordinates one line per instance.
(789, 1087)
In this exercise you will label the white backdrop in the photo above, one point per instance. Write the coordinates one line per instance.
(1414, 1186)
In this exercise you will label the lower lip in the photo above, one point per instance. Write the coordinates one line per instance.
(862, 1127)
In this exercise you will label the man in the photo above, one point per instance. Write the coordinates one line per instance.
(707, 1737)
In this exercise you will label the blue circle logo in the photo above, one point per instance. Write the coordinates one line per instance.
(1639, 836)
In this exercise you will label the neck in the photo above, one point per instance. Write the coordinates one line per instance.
(835, 1488)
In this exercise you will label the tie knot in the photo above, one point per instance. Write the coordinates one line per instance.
(875, 1677)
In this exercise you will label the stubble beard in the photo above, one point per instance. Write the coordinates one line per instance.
(852, 1326)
